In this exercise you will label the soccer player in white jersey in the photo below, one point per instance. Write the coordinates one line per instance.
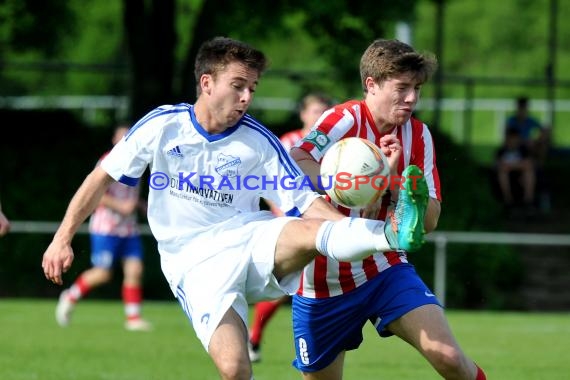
(384, 288)
(210, 164)
(115, 239)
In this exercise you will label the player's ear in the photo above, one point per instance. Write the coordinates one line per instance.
(206, 82)
(370, 85)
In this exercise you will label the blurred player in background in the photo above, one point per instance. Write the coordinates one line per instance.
(311, 108)
(336, 299)
(115, 238)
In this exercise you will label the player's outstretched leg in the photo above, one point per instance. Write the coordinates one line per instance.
(353, 239)
(405, 224)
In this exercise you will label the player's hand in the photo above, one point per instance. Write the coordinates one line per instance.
(56, 261)
(392, 149)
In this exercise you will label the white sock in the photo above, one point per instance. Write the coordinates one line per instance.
(75, 293)
(351, 239)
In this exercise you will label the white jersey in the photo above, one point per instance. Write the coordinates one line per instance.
(201, 185)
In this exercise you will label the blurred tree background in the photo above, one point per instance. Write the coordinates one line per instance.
(144, 50)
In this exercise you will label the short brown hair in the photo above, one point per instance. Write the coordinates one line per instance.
(214, 55)
(384, 59)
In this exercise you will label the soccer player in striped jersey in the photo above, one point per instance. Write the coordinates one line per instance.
(311, 108)
(210, 165)
(335, 298)
(115, 237)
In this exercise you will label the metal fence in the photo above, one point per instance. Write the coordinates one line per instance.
(441, 239)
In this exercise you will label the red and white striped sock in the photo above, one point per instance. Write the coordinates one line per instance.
(132, 299)
(78, 290)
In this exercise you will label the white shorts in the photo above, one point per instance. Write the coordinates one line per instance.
(236, 272)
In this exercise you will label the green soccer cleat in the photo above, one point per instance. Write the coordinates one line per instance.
(404, 227)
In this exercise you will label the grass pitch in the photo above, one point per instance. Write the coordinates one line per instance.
(509, 346)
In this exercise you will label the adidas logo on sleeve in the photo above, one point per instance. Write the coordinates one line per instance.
(175, 152)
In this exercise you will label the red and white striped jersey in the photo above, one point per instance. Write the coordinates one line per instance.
(325, 277)
(289, 139)
(106, 221)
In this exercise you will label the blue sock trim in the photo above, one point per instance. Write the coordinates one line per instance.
(324, 234)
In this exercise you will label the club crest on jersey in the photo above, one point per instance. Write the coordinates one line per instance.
(319, 139)
(228, 165)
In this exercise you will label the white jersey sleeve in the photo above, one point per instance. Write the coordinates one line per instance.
(197, 179)
(281, 179)
(129, 158)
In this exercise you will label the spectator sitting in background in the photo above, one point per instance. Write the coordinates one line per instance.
(531, 132)
(537, 138)
(514, 161)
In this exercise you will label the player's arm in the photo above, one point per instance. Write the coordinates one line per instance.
(432, 215)
(433, 209)
(58, 257)
(392, 149)
(309, 166)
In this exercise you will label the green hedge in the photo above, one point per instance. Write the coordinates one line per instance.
(43, 167)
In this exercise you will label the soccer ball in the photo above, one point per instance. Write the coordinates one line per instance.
(354, 172)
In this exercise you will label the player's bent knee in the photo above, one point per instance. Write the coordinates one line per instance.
(300, 234)
(101, 275)
(231, 369)
(449, 362)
